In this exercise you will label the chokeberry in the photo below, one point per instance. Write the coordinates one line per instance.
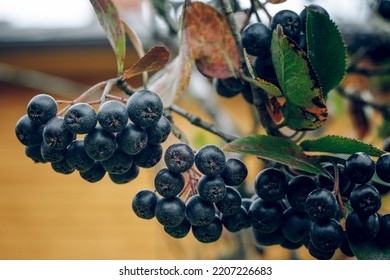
(236, 222)
(229, 87)
(149, 156)
(321, 204)
(100, 144)
(298, 190)
(76, 156)
(319, 254)
(210, 160)
(268, 238)
(144, 108)
(41, 109)
(94, 174)
(170, 211)
(28, 133)
(360, 168)
(295, 225)
(384, 9)
(234, 172)
(132, 139)
(365, 199)
(210, 233)
(265, 216)
(159, 132)
(271, 184)
(256, 39)
(383, 235)
(265, 69)
(179, 157)
(56, 135)
(290, 21)
(361, 228)
(144, 204)
(327, 235)
(52, 155)
(199, 211)
(180, 230)
(118, 163)
(383, 167)
(62, 167)
(35, 154)
(126, 177)
(303, 14)
(212, 189)
(230, 204)
(168, 183)
(80, 118)
(112, 116)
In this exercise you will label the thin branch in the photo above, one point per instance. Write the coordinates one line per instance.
(197, 121)
(121, 84)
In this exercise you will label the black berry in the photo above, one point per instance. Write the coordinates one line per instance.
(256, 39)
(144, 204)
(179, 157)
(290, 21)
(170, 211)
(210, 160)
(168, 183)
(80, 118)
(41, 109)
(100, 144)
(113, 116)
(271, 184)
(234, 172)
(199, 211)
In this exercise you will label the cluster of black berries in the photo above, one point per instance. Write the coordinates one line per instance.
(256, 39)
(118, 139)
(383, 9)
(213, 203)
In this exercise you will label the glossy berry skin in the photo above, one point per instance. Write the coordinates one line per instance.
(319, 254)
(268, 239)
(230, 204)
(28, 133)
(234, 172)
(361, 228)
(298, 190)
(179, 157)
(159, 132)
(62, 167)
(236, 222)
(383, 236)
(144, 204)
(118, 163)
(144, 108)
(265, 69)
(212, 189)
(271, 184)
(180, 230)
(41, 109)
(168, 183)
(265, 216)
(360, 168)
(303, 14)
(327, 235)
(295, 225)
(126, 177)
(256, 39)
(94, 174)
(290, 21)
(52, 155)
(199, 211)
(113, 116)
(384, 9)
(383, 167)
(100, 144)
(56, 135)
(76, 156)
(35, 154)
(80, 118)
(149, 156)
(229, 87)
(365, 199)
(210, 233)
(246, 203)
(132, 139)
(170, 211)
(321, 204)
(210, 160)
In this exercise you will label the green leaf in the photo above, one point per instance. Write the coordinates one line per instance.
(340, 145)
(326, 49)
(298, 82)
(276, 149)
(112, 25)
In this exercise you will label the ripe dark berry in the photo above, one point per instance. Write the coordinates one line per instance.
(234, 172)
(265, 216)
(290, 21)
(100, 144)
(321, 204)
(265, 69)
(168, 183)
(295, 225)
(246, 203)
(113, 116)
(41, 109)
(360, 168)
(229, 87)
(230, 204)
(94, 174)
(145, 108)
(199, 211)
(52, 155)
(268, 239)
(303, 14)
(236, 222)
(62, 167)
(179, 157)
(327, 183)
(132, 139)
(212, 189)
(126, 177)
(361, 228)
(144, 204)
(180, 230)
(56, 135)
(35, 154)
(28, 133)
(118, 163)
(76, 156)
(170, 211)
(159, 132)
(271, 184)
(319, 254)
(345, 247)
(210, 160)
(256, 39)
(384, 9)
(383, 167)
(80, 118)
(298, 190)
(210, 233)
(149, 156)
(365, 199)
(383, 236)
(327, 235)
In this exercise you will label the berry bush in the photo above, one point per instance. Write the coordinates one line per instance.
(322, 192)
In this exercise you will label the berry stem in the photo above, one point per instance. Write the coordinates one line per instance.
(107, 89)
(121, 84)
(336, 187)
(262, 6)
